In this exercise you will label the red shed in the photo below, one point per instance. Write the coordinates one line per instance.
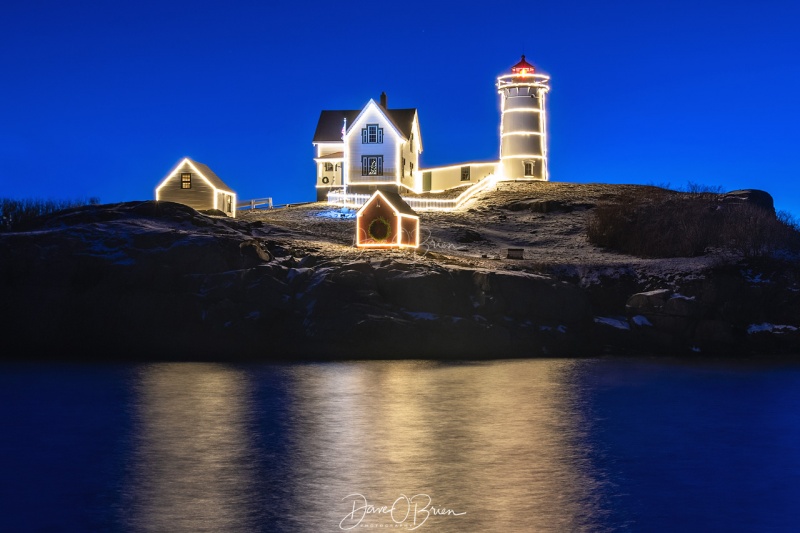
(387, 221)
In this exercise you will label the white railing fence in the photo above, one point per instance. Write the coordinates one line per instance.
(255, 202)
(356, 200)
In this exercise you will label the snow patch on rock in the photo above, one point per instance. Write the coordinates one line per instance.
(770, 328)
(618, 323)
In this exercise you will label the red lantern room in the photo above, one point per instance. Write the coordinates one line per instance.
(523, 67)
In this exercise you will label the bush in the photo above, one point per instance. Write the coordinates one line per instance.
(699, 188)
(14, 212)
(788, 220)
(658, 223)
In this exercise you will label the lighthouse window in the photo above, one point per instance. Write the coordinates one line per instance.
(372, 165)
(328, 167)
(464, 173)
(528, 168)
(372, 134)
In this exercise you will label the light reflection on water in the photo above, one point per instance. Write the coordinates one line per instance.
(544, 445)
(499, 442)
(194, 462)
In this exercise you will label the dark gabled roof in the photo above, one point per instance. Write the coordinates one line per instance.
(398, 203)
(404, 120)
(329, 127)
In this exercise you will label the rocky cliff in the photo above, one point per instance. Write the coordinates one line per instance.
(146, 280)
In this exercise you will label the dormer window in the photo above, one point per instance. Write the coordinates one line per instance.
(372, 134)
(186, 180)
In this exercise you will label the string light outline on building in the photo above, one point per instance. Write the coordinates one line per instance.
(187, 161)
(399, 216)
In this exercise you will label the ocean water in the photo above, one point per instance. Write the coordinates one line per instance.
(541, 445)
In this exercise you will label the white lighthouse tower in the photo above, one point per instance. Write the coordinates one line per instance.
(523, 123)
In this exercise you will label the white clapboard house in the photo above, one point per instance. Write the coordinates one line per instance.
(369, 148)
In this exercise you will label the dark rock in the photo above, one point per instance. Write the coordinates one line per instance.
(530, 296)
(676, 326)
(681, 306)
(308, 261)
(714, 331)
(254, 249)
(754, 197)
(355, 279)
(539, 206)
(425, 291)
(647, 302)
(214, 213)
(147, 280)
(466, 235)
(609, 294)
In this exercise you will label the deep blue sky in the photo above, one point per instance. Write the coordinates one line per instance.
(103, 98)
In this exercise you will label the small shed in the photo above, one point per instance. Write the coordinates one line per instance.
(386, 221)
(194, 184)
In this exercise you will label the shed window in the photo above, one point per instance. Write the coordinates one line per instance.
(186, 180)
(464, 173)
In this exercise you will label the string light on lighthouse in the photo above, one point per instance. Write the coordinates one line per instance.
(523, 137)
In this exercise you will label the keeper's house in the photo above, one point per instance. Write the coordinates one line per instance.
(386, 221)
(370, 148)
(194, 184)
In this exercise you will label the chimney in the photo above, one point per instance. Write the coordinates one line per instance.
(383, 101)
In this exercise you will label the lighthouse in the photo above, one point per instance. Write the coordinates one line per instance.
(523, 123)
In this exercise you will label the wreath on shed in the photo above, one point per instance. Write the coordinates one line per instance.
(379, 229)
